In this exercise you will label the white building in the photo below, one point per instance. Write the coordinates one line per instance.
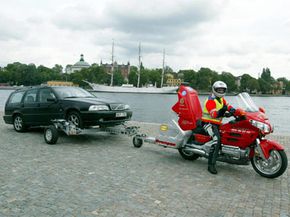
(82, 64)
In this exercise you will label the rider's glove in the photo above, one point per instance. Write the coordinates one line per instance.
(233, 111)
(222, 111)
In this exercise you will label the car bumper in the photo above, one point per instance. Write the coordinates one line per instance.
(8, 119)
(105, 117)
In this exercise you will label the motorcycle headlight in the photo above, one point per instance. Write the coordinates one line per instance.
(98, 108)
(262, 126)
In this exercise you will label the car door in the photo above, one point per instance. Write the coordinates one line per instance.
(49, 106)
(30, 107)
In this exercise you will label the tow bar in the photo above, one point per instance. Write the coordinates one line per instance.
(51, 132)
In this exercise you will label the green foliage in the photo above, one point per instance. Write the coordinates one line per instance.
(249, 84)
(230, 80)
(266, 81)
(205, 79)
(202, 80)
(189, 76)
(133, 75)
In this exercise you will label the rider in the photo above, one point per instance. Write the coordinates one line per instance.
(213, 112)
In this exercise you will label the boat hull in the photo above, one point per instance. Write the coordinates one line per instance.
(151, 90)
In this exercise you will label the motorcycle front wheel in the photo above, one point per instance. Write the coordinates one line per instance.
(272, 167)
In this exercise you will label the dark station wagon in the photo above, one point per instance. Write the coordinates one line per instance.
(37, 106)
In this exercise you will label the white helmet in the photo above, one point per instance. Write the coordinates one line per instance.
(219, 88)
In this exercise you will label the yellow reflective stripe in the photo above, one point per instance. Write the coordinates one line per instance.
(206, 115)
(211, 120)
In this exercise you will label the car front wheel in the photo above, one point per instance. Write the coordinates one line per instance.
(18, 124)
(75, 118)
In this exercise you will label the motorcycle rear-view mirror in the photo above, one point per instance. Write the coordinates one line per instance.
(261, 109)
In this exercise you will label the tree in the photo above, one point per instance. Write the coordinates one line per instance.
(249, 84)
(133, 75)
(189, 76)
(57, 68)
(230, 80)
(205, 79)
(266, 81)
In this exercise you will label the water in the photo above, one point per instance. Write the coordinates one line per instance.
(156, 108)
(4, 94)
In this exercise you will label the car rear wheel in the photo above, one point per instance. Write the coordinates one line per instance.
(18, 124)
(75, 118)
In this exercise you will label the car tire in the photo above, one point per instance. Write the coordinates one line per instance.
(18, 123)
(75, 118)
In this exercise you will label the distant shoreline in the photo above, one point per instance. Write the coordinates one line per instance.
(8, 88)
(199, 93)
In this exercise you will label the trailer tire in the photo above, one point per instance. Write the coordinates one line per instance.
(50, 135)
(137, 142)
(187, 155)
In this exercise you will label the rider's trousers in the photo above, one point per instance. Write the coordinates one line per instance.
(213, 131)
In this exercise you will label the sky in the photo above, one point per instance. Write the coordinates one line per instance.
(224, 35)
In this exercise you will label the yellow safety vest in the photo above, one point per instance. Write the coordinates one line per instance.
(205, 113)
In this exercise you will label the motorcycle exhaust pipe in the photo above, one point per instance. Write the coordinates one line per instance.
(197, 151)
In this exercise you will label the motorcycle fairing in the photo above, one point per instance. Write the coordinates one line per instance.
(238, 133)
(268, 145)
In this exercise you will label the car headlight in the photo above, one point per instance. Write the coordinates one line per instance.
(126, 107)
(262, 126)
(98, 108)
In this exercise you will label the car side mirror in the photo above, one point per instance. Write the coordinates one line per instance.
(261, 109)
(51, 100)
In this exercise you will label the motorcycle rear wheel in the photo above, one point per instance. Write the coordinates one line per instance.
(187, 155)
(272, 167)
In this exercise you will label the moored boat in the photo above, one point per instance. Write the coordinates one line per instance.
(129, 88)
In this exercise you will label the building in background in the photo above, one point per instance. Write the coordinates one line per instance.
(124, 69)
(61, 83)
(82, 64)
(171, 81)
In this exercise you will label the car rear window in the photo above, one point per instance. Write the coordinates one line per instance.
(16, 97)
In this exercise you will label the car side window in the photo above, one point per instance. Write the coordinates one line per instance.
(45, 94)
(16, 97)
(30, 96)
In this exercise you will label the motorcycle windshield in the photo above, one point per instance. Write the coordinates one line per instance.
(246, 103)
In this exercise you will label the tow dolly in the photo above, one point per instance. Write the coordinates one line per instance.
(51, 132)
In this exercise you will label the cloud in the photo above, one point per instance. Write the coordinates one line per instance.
(11, 29)
(224, 35)
(79, 17)
(140, 22)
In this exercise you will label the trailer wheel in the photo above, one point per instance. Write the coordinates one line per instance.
(187, 155)
(137, 142)
(50, 135)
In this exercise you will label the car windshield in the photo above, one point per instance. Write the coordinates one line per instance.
(245, 102)
(72, 92)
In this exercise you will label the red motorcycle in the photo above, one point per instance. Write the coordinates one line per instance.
(242, 138)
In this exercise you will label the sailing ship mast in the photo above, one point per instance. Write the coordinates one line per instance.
(163, 66)
(139, 68)
(112, 69)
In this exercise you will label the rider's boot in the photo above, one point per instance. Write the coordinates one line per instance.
(212, 160)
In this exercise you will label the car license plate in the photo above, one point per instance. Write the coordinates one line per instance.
(121, 114)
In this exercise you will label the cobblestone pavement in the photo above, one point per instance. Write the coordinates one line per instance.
(104, 175)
